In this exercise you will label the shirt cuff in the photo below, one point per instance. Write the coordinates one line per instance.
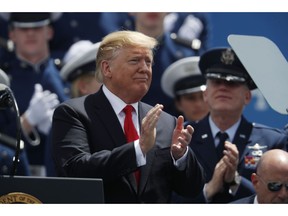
(180, 164)
(140, 157)
(205, 195)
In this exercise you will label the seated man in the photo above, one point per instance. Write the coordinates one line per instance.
(270, 179)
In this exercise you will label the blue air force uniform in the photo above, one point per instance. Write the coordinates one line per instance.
(23, 77)
(251, 139)
(8, 145)
(6, 161)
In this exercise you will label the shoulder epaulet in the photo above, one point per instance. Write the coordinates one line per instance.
(262, 126)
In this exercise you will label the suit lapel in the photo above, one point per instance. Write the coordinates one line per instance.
(143, 110)
(108, 118)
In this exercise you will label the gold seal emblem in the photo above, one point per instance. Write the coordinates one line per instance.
(19, 197)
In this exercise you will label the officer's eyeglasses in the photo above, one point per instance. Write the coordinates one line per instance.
(274, 186)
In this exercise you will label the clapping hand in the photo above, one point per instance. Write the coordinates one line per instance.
(41, 108)
(181, 138)
(148, 128)
(231, 159)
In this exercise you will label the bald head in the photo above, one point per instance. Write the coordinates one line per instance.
(275, 159)
(272, 170)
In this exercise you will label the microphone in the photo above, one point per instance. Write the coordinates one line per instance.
(7, 99)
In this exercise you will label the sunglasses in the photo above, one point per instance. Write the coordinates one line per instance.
(274, 186)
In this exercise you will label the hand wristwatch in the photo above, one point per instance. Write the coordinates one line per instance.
(236, 180)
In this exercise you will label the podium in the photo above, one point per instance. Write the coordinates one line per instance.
(50, 190)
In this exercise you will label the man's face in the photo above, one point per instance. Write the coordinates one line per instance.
(129, 74)
(223, 96)
(193, 106)
(261, 187)
(31, 41)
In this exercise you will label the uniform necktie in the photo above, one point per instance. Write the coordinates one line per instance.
(220, 147)
(130, 132)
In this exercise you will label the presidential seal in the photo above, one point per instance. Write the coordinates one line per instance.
(19, 197)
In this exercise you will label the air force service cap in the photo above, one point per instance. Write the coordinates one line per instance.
(29, 20)
(183, 77)
(80, 59)
(223, 63)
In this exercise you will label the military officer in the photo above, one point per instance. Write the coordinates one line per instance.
(79, 68)
(8, 146)
(35, 82)
(228, 91)
(184, 82)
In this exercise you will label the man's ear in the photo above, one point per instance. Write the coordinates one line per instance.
(254, 179)
(50, 33)
(205, 95)
(248, 96)
(106, 69)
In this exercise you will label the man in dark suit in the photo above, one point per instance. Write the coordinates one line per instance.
(270, 180)
(228, 91)
(88, 138)
(169, 49)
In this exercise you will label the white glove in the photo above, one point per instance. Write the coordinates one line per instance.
(45, 125)
(41, 106)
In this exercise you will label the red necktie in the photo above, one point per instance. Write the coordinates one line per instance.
(130, 132)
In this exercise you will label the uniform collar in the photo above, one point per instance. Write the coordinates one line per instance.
(36, 67)
(230, 131)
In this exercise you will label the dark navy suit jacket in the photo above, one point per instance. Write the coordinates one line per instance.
(88, 141)
(245, 200)
(251, 139)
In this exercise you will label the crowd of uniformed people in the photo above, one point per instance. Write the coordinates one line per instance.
(48, 58)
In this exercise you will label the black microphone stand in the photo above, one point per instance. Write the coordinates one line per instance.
(7, 99)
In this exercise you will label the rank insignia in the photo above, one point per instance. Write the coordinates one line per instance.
(253, 156)
(228, 57)
(256, 147)
(251, 161)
